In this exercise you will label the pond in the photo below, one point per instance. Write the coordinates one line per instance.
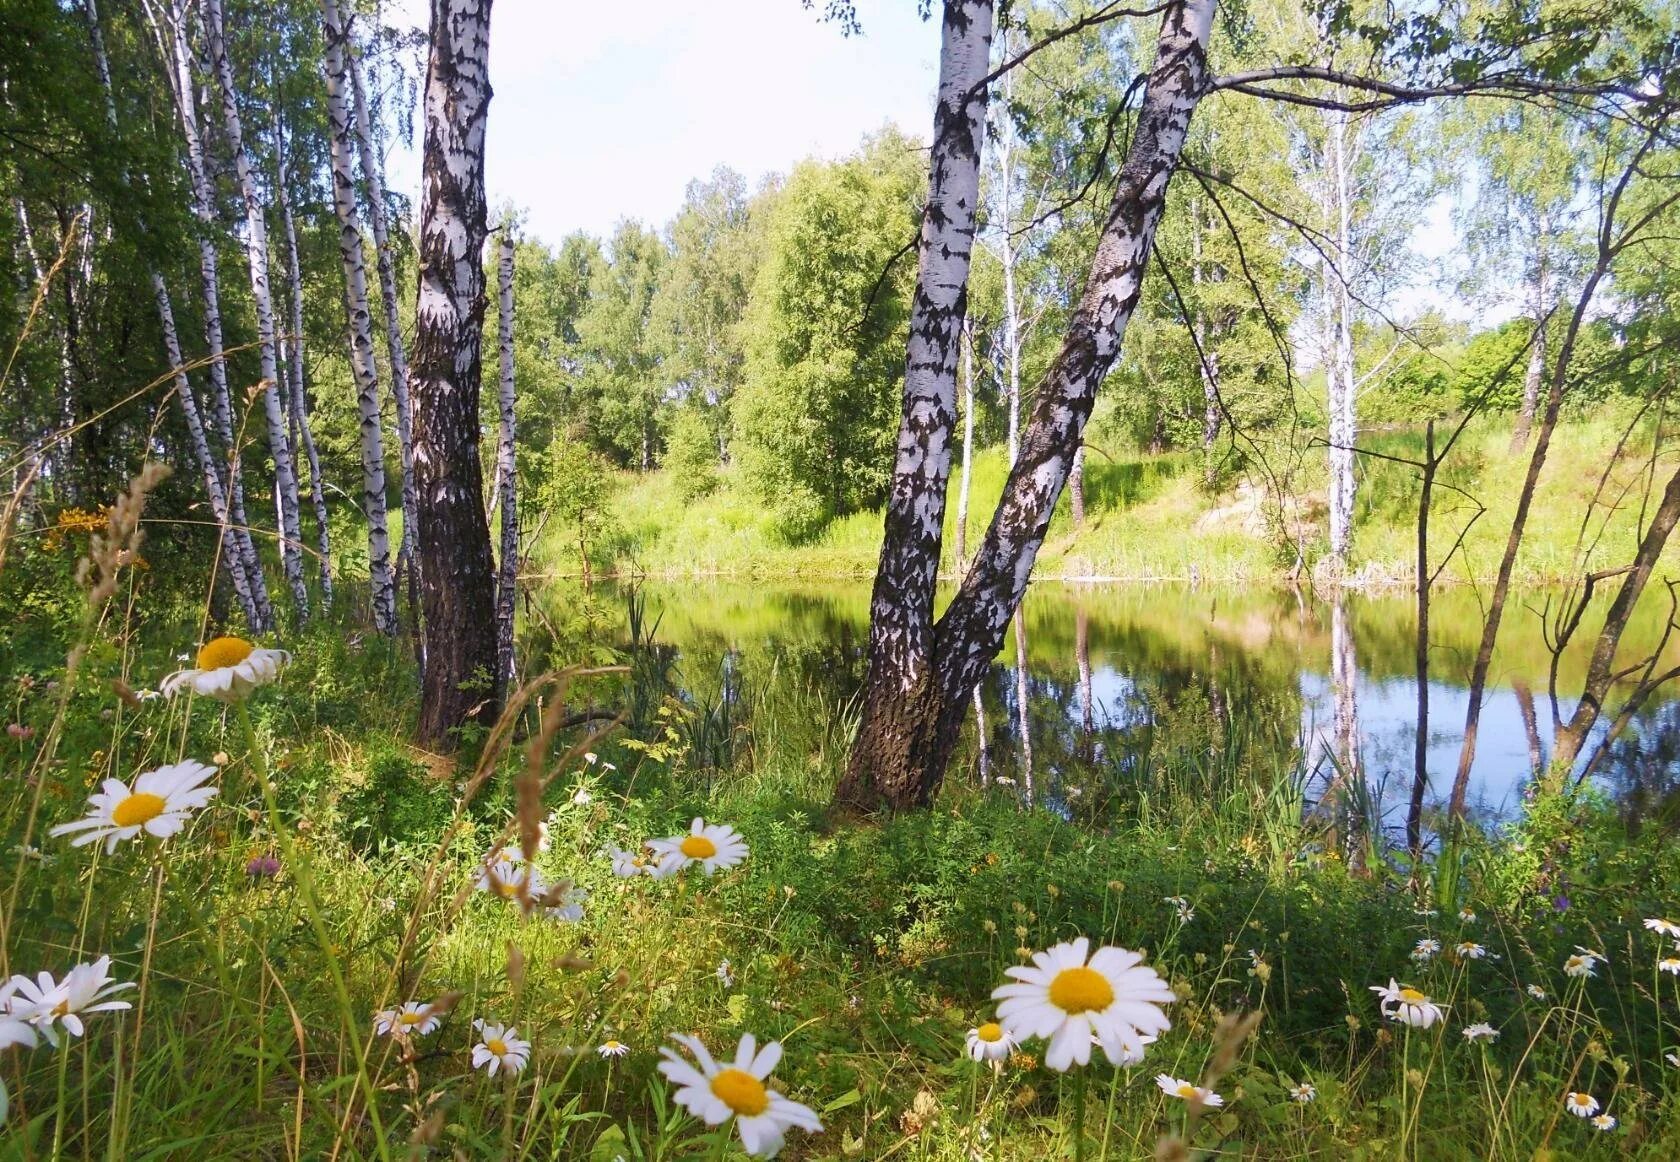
(1116, 675)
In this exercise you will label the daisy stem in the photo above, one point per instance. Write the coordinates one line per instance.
(1079, 1116)
(306, 892)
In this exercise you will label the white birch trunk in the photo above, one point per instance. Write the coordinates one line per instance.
(1339, 372)
(967, 341)
(296, 387)
(362, 365)
(506, 474)
(256, 251)
(1023, 719)
(373, 173)
(1344, 690)
(173, 40)
(1006, 256)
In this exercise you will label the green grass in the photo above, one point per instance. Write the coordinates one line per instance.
(1152, 518)
(868, 949)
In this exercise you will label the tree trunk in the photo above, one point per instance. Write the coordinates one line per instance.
(967, 342)
(296, 386)
(457, 577)
(203, 207)
(1023, 705)
(362, 365)
(1350, 769)
(506, 476)
(1208, 360)
(373, 173)
(901, 607)
(1339, 372)
(256, 252)
(233, 560)
(1540, 290)
(1076, 486)
(982, 738)
(1571, 736)
(1531, 726)
(1420, 654)
(1087, 699)
(908, 729)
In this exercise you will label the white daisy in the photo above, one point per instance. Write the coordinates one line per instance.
(1303, 1093)
(1603, 1122)
(1466, 916)
(498, 1048)
(1582, 1105)
(712, 846)
(1579, 966)
(1185, 912)
(1425, 949)
(988, 1042)
(725, 974)
(1669, 964)
(1407, 1005)
(16, 1032)
(1481, 1031)
(629, 864)
(612, 1049)
(1188, 1090)
(508, 876)
(561, 901)
(228, 669)
(1062, 998)
(46, 1003)
(715, 1093)
(159, 804)
(1536, 992)
(1664, 927)
(413, 1019)
(1673, 1059)
(1470, 950)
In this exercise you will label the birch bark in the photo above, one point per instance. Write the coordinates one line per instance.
(256, 252)
(456, 573)
(900, 758)
(506, 476)
(384, 593)
(1339, 370)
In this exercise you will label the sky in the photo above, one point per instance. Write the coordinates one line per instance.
(605, 111)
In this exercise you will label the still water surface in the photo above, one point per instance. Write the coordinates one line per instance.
(1113, 674)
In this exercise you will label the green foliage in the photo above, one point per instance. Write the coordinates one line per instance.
(395, 803)
(816, 418)
(575, 492)
(692, 456)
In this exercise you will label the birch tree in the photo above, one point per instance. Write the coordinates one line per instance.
(506, 468)
(256, 251)
(373, 174)
(921, 673)
(362, 365)
(456, 572)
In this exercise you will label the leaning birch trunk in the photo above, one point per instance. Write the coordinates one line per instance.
(256, 252)
(373, 173)
(506, 476)
(295, 384)
(384, 591)
(1339, 302)
(457, 577)
(908, 730)
(232, 552)
(203, 208)
(901, 644)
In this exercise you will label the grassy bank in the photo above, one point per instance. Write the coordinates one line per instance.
(1153, 518)
(262, 938)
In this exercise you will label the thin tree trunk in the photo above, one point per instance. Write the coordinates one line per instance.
(256, 251)
(1023, 717)
(373, 173)
(1420, 739)
(1350, 769)
(457, 576)
(901, 606)
(1531, 726)
(1208, 361)
(232, 559)
(1076, 486)
(1340, 374)
(1541, 293)
(908, 729)
(1087, 699)
(967, 342)
(203, 207)
(296, 387)
(983, 738)
(384, 593)
(506, 476)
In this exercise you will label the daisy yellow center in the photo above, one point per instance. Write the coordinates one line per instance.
(506, 889)
(743, 1093)
(62, 1008)
(1413, 997)
(610, 1045)
(698, 847)
(412, 1018)
(140, 807)
(497, 1046)
(222, 652)
(1580, 1099)
(1187, 1090)
(991, 1031)
(1081, 990)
